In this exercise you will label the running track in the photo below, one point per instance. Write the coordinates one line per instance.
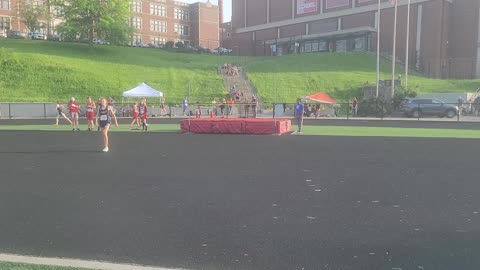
(242, 202)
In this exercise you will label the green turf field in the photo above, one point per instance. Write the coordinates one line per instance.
(308, 130)
(20, 266)
(120, 128)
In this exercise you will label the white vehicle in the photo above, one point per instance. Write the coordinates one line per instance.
(37, 36)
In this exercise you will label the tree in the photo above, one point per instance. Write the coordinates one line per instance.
(31, 13)
(96, 19)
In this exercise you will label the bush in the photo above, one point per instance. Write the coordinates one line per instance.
(180, 45)
(169, 44)
(400, 94)
(375, 107)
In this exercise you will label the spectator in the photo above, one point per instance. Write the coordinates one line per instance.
(230, 106)
(213, 108)
(222, 107)
(354, 106)
(162, 106)
(254, 106)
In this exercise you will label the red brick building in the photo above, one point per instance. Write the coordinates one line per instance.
(444, 34)
(159, 21)
(155, 21)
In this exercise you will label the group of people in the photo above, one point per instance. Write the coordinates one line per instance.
(230, 70)
(101, 114)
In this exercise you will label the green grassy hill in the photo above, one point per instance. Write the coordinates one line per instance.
(339, 74)
(47, 71)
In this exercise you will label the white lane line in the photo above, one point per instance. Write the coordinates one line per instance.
(75, 263)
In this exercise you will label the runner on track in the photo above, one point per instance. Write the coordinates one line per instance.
(104, 120)
(142, 113)
(61, 114)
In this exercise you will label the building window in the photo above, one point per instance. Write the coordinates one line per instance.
(181, 14)
(137, 6)
(4, 4)
(341, 45)
(158, 10)
(137, 23)
(4, 23)
(359, 44)
(182, 29)
(159, 41)
(137, 40)
(158, 26)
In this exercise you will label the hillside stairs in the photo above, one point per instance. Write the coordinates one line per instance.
(243, 83)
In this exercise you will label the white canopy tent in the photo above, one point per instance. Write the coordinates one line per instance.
(143, 90)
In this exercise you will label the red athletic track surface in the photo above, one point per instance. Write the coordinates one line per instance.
(239, 202)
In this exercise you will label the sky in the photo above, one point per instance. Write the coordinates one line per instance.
(227, 9)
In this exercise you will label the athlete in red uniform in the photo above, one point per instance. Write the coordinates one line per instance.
(142, 112)
(74, 108)
(135, 115)
(90, 113)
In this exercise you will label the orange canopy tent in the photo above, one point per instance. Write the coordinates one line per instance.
(320, 98)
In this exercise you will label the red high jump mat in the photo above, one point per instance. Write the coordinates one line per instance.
(236, 126)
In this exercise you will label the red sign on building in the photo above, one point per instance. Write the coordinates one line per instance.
(306, 6)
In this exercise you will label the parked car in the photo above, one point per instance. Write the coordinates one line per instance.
(416, 107)
(37, 36)
(16, 34)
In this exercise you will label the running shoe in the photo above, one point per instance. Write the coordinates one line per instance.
(105, 149)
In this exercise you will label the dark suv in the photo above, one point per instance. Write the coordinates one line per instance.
(416, 107)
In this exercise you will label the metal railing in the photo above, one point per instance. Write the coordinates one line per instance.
(365, 110)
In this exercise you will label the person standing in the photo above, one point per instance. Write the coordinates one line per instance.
(59, 108)
(299, 111)
(162, 106)
(74, 108)
(135, 115)
(231, 102)
(214, 107)
(254, 106)
(222, 107)
(185, 106)
(354, 106)
(90, 113)
(142, 113)
(104, 120)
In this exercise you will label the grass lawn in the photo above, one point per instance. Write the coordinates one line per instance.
(49, 71)
(339, 74)
(308, 130)
(20, 266)
(45, 71)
